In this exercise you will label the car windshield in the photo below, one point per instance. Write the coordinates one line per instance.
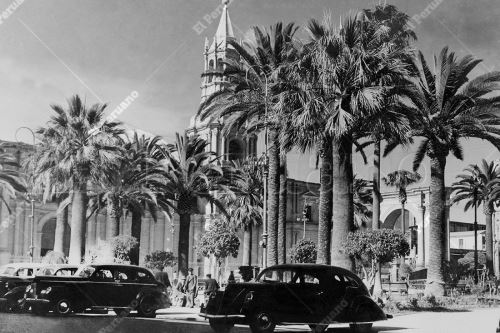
(85, 271)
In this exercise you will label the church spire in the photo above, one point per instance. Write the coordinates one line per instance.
(225, 29)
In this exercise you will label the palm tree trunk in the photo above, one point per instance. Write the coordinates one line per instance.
(435, 276)
(273, 199)
(376, 199)
(342, 208)
(113, 218)
(78, 223)
(61, 221)
(325, 204)
(403, 226)
(247, 246)
(183, 251)
(282, 212)
(489, 237)
(136, 233)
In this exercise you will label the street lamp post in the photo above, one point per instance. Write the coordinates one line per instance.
(31, 198)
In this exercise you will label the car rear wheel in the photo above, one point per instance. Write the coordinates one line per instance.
(220, 326)
(147, 306)
(63, 307)
(262, 322)
(318, 328)
(361, 328)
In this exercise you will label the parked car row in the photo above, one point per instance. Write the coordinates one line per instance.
(315, 295)
(64, 289)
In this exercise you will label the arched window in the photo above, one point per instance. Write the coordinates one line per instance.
(220, 64)
(209, 78)
(236, 150)
(211, 64)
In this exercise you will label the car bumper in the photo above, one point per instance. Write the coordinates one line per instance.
(213, 316)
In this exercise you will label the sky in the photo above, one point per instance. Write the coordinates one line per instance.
(107, 50)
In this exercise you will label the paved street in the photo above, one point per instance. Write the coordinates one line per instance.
(186, 320)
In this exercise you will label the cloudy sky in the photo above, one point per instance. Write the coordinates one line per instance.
(104, 50)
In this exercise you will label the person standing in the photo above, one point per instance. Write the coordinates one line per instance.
(162, 276)
(191, 288)
(211, 286)
(180, 297)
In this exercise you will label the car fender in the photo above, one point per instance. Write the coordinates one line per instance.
(254, 300)
(15, 293)
(363, 308)
(161, 296)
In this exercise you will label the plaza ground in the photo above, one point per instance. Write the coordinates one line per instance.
(175, 320)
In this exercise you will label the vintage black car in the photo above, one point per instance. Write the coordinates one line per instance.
(316, 295)
(121, 288)
(13, 281)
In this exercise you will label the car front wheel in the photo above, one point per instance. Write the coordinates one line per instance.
(63, 307)
(220, 326)
(262, 322)
(361, 328)
(147, 306)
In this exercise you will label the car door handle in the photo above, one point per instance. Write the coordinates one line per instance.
(319, 293)
(119, 285)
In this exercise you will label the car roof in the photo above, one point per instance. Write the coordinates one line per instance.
(115, 265)
(333, 269)
(61, 266)
(17, 265)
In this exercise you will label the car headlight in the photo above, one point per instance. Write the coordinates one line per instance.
(6, 285)
(28, 288)
(46, 291)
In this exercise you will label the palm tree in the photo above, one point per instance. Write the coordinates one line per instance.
(191, 174)
(11, 181)
(84, 152)
(449, 107)
(351, 66)
(243, 196)
(132, 186)
(479, 186)
(252, 102)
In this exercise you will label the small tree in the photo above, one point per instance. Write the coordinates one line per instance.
(52, 257)
(373, 247)
(220, 240)
(121, 247)
(159, 259)
(304, 252)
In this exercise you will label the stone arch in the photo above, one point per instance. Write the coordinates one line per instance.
(392, 217)
(46, 233)
(44, 219)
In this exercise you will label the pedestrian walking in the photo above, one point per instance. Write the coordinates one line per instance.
(162, 277)
(180, 296)
(191, 288)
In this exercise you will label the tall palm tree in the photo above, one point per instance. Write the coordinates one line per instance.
(11, 181)
(479, 185)
(256, 83)
(243, 195)
(84, 153)
(191, 174)
(351, 67)
(393, 30)
(448, 106)
(401, 179)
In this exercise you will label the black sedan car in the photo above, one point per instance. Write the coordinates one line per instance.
(14, 278)
(316, 295)
(121, 288)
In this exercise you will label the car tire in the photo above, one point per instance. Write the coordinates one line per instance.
(262, 321)
(361, 328)
(318, 328)
(220, 326)
(16, 305)
(147, 306)
(63, 307)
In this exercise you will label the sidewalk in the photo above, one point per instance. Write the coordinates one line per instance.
(180, 313)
